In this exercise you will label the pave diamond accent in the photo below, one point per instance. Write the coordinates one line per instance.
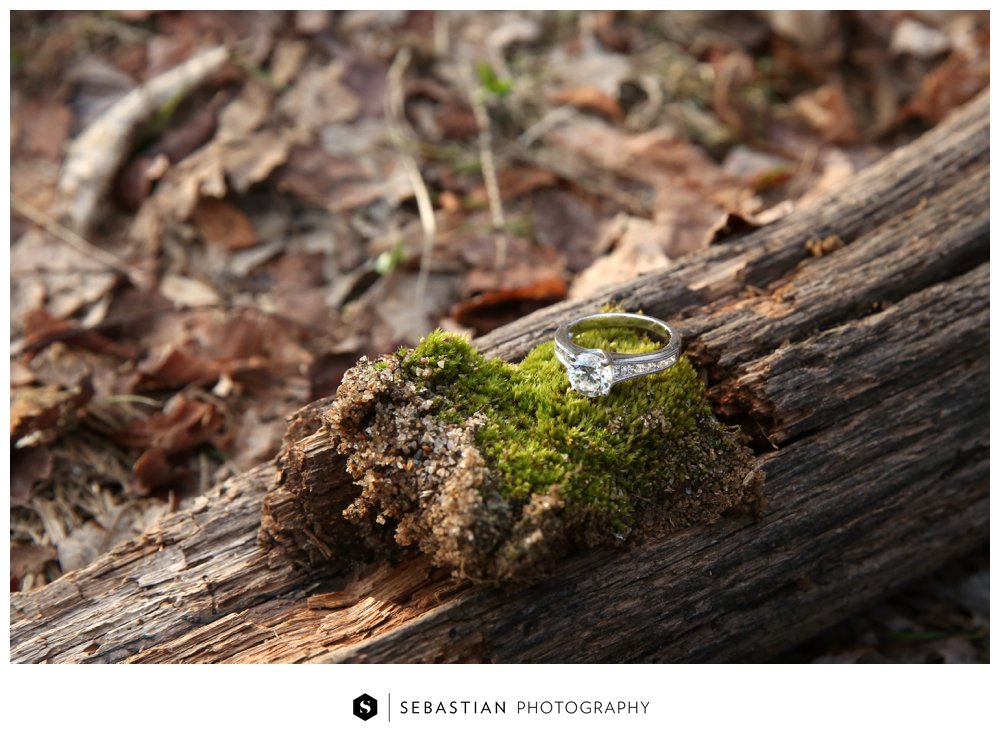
(624, 371)
(590, 373)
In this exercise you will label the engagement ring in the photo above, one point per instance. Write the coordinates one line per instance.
(593, 372)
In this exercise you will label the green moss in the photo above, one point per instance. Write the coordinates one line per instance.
(650, 436)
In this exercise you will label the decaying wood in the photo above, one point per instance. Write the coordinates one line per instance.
(862, 376)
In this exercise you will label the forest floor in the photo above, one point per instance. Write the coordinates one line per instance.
(215, 214)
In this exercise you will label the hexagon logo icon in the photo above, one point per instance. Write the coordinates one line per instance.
(365, 707)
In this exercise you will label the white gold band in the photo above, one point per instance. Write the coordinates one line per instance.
(593, 372)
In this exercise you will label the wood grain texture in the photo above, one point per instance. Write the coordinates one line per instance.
(862, 376)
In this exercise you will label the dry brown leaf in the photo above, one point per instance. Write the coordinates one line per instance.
(832, 167)
(135, 16)
(615, 37)
(588, 65)
(311, 21)
(246, 113)
(731, 226)
(27, 466)
(456, 121)
(239, 156)
(508, 295)
(367, 77)
(476, 250)
(41, 330)
(66, 365)
(28, 558)
(40, 414)
(450, 203)
(165, 51)
(758, 169)
(183, 186)
(21, 374)
(827, 111)
(260, 439)
(312, 174)
(515, 182)
(318, 98)
(568, 224)
(816, 40)
(390, 316)
(250, 35)
(43, 128)
(350, 196)
(252, 161)
(246, 337)
(590, 98)
(221, 223)
(953, 82)
(287, 60)
(640, 247)
(910, 37)
(808, 28)
(185, 137)
(203, 345)
(596, 142)
(33, 181)
(518, 181)
(175, 366)
(136, 180)
(188, 292)
(183, 423)
(205, 174)
(48, 273)
(153, 469)
(354, 165)
(690, 191)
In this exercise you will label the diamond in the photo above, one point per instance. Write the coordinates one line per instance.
(590, 373)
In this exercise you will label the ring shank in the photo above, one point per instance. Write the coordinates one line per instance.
(669, 352)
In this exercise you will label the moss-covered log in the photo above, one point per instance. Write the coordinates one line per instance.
(498, 470)
(861, 375)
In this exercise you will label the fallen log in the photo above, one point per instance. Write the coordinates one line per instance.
(860, 375)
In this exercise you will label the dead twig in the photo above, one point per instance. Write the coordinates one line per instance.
(95, 155)
(477, 99)
(396, 125)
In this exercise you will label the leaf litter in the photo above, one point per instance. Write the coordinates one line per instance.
(235, 242)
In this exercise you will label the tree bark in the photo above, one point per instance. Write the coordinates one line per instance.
(861, 375)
